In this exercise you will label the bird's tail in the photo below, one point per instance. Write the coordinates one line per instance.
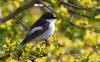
(24, 41)
(19, 52)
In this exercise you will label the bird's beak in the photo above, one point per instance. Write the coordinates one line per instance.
(55, 17)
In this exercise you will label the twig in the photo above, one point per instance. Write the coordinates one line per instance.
(70, 21)
(9, 51)
(72, 10)
(5, 57)
(49, 8)
(38, 56)
(20, 9)
(74, 6)
(19, 21)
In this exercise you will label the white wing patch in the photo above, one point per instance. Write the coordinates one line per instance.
(36, 28)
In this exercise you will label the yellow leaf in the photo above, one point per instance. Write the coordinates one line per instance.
(11, 60)
(2, 26)
(63, 9)
(90, 38)
(5, 46)
(29, 45)
(14, 43)
(97, 17)
(8, 23)
(16, 3)
(54, 1)
(58, 22)
(7, 40)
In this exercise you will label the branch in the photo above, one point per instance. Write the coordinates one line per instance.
(75, 24)
(8, 52)
(38, 56)
(18, 10)
(71, 10)
(74, 6)
(48, 7)
(19, 21)
(5, 57)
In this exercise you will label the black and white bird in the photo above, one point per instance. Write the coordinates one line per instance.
(42, 29)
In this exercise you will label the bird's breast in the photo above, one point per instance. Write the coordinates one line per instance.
(47, 33)
(51, 28)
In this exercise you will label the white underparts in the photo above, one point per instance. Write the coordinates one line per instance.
(48, 32)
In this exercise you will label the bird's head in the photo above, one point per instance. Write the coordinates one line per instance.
(49, 15)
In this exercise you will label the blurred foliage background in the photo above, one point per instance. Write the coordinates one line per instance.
(76, 38)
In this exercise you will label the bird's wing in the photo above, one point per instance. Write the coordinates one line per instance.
(39, 22)
(34, 32)
(39, 25)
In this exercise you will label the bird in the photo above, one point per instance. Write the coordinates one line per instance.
(42, 29)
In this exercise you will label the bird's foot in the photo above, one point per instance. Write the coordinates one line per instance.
(47, 43)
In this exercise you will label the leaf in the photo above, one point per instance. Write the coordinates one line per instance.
(97, 17)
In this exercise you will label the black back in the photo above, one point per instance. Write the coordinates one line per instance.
(42, 19)
(48, 15)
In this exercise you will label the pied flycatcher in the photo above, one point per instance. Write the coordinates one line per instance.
(42, 29)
